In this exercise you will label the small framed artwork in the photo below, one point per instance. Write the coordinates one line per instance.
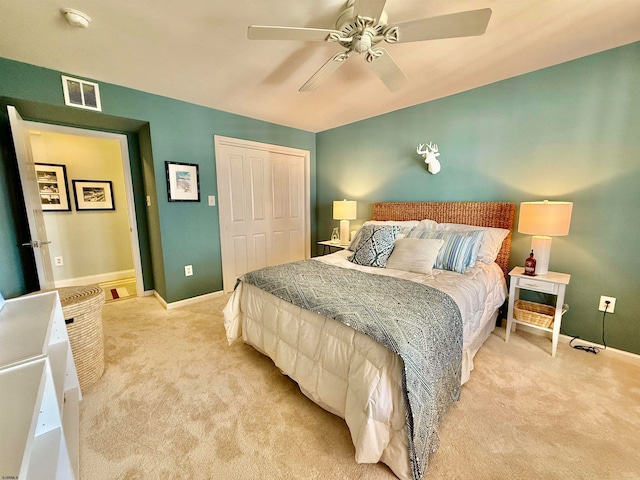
(183, 182)
(93, 195)
(81, 93)
(52, 187)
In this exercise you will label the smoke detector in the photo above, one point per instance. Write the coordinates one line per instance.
(76, 17)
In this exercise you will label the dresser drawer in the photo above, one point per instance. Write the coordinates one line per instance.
(537, 285)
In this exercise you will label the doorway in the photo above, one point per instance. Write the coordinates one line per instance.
(90, 245)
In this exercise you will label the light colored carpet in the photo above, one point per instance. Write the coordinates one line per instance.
(176, 402)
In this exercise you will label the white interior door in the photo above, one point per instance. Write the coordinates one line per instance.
(263, 197)
(38, 241)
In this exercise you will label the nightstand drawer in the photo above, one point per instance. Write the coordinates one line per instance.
(537, 285)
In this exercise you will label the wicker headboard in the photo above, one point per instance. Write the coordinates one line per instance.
(484, 214)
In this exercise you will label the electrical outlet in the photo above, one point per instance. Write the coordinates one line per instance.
(602, 305)
(58, 261)
(188, 270)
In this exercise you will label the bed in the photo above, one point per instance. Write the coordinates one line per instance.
(350, 374)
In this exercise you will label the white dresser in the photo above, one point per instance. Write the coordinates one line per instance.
(39, 391)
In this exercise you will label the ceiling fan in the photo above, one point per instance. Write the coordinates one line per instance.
(362, 25)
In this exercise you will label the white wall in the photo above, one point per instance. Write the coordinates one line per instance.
(90, 242)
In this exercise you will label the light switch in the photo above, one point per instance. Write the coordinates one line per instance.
(212, 200)
(148, 200)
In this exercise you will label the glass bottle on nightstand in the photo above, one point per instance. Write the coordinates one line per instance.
(530, 265)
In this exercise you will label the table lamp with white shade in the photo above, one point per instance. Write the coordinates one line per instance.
(544, 220)
(344, 211)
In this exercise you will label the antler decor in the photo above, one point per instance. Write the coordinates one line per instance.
(430, 154)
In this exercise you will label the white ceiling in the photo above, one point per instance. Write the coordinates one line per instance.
(198, 51)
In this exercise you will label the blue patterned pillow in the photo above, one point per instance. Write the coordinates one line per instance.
(460, 249)
(405, 228)
(375, 245)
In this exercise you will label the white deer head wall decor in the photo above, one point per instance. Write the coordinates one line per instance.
(430, 154)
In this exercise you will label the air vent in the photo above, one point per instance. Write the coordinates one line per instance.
(81, 93)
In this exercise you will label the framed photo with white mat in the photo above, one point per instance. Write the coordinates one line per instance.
(52, 187)
(183, 182)
(93, 195)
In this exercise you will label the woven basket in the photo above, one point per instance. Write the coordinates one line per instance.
(83, 305)
(534, 313)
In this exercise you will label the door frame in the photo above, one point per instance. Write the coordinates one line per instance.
(128, 184)
(221, 141)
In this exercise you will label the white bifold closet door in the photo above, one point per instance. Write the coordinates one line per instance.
(263, 197)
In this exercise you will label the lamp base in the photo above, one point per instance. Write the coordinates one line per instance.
(541, 246)
(344, 232)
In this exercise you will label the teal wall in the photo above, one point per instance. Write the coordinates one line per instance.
(179, 233)
(569, 132)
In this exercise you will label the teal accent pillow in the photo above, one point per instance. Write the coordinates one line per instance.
(460, 249)
(375, 245)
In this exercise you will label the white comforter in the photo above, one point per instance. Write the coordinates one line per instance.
(346, 372)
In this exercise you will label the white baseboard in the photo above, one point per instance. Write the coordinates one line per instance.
(160, 299)
(91, 279)
(620, 354)
(187, 301)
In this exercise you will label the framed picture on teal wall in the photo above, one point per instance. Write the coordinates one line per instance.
(93, 195)
(183, 182)
(52, 187)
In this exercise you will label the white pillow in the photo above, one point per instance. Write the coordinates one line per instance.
(404, 225)
(429, 224)
(415, 254)
(491, 241)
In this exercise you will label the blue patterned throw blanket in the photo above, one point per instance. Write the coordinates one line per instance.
(418, 322)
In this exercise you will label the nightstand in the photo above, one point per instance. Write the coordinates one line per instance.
(327, 245)
(552, 283)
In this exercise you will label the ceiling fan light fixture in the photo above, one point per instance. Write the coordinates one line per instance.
(362, 25)
(76, 18)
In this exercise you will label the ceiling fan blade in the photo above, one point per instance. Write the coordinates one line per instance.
(327, 69)
(388, 70)
(369, 8)
(462, 24)
(260, 32)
